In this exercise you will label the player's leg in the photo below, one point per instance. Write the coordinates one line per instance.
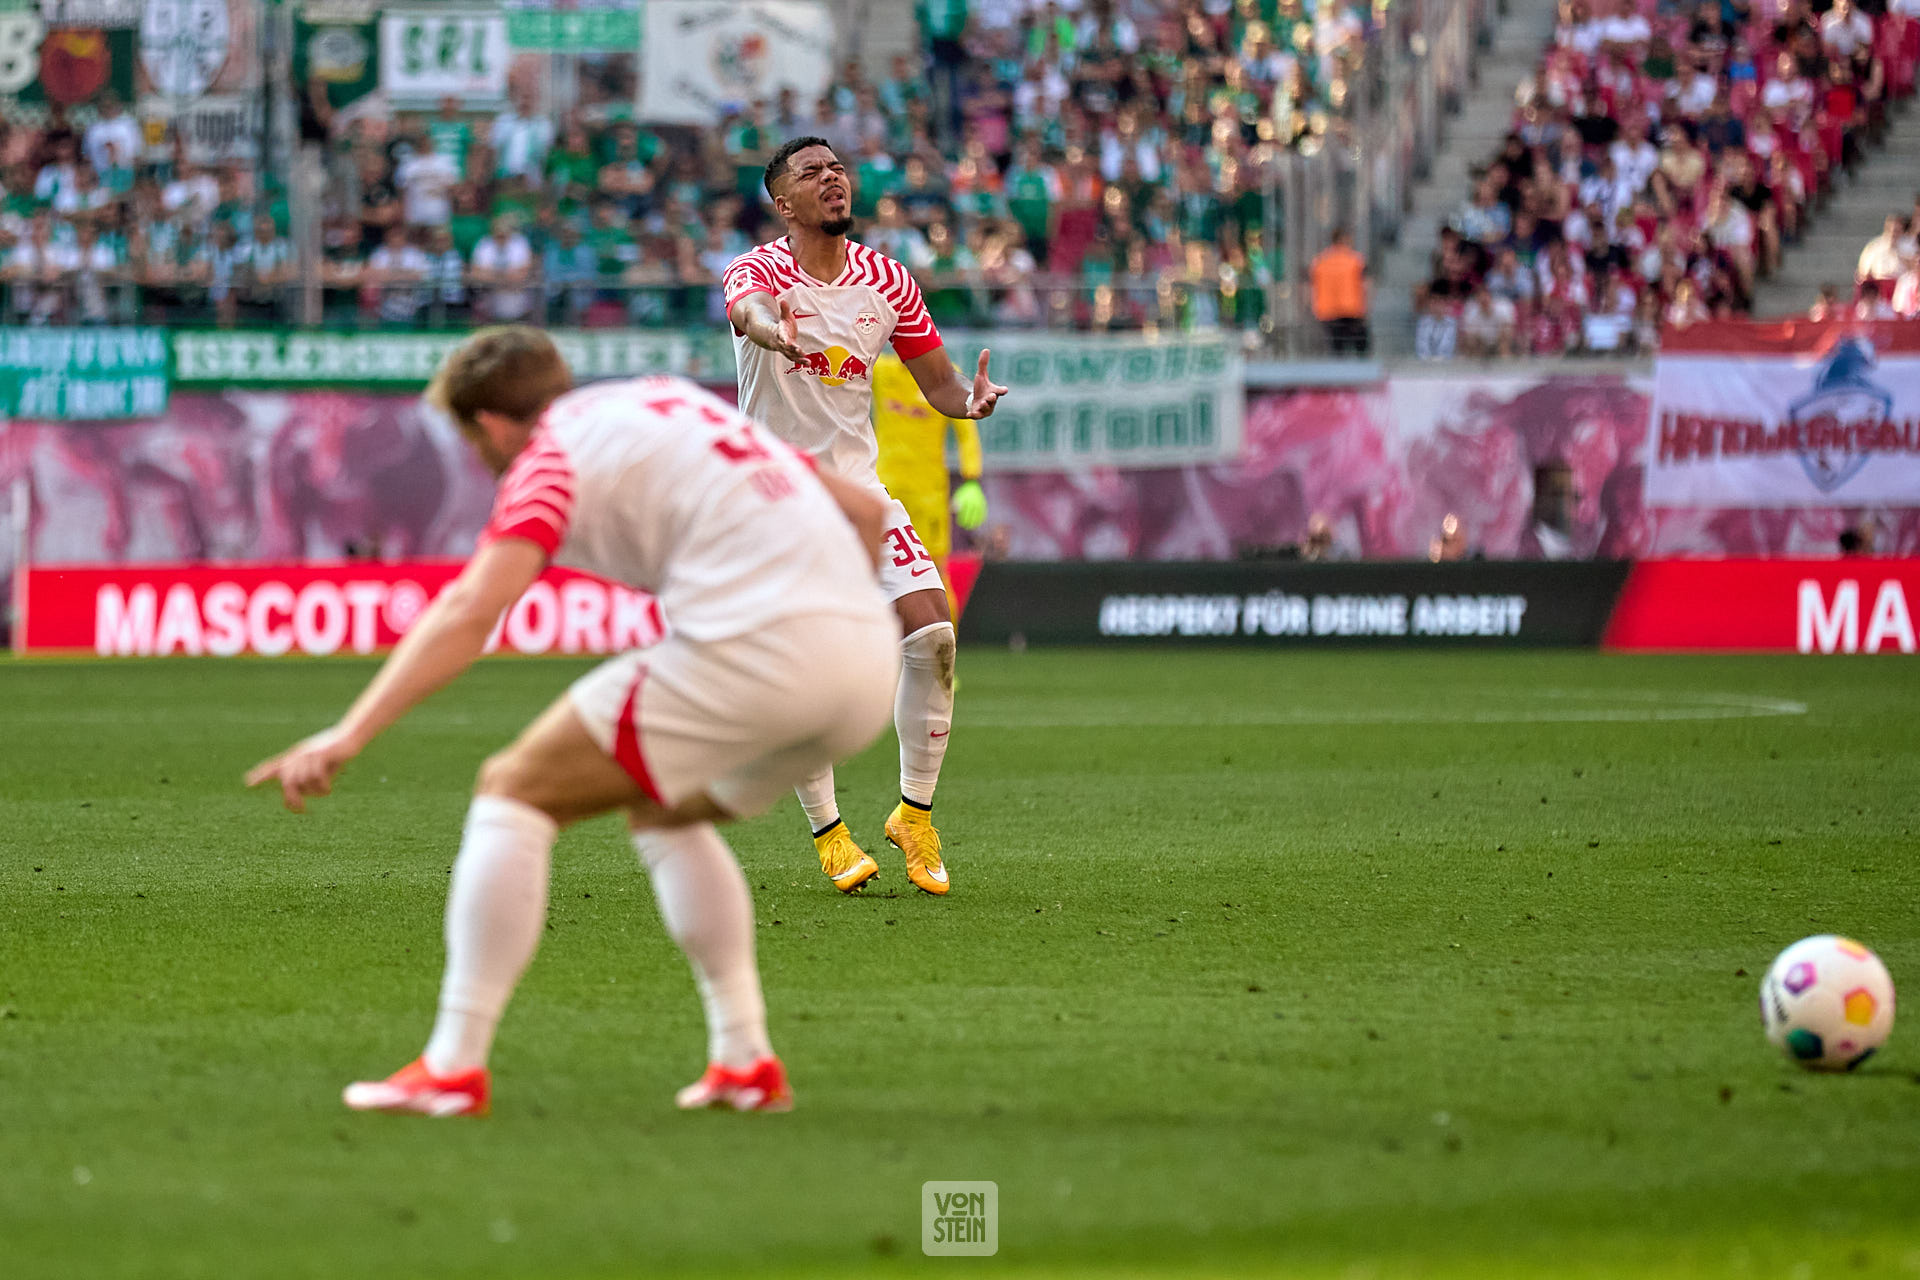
(842, 859)
(771, 708)
(923, 719)
(707, 908)
(553, 774)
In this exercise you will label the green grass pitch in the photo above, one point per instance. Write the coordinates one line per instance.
(1318, 964)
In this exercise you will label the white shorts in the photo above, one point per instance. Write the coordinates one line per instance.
(905, 566)
(742, 720)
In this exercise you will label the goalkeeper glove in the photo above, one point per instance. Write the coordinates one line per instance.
(970, 505)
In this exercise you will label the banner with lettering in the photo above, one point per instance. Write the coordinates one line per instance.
(444, 51)
(315, 609)
(1797, 413)
(1128, 402)
(405, 361)
(90, 375)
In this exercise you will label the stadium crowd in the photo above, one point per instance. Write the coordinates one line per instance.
(1886, 279)
(1075, 163)
(1661, 156)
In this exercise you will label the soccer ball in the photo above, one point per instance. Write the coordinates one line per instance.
(1827, 1003)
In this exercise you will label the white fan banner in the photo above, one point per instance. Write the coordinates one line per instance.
(698, 57)
(1790, 414)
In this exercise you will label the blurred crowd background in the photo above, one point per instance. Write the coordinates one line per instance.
(1080, 164)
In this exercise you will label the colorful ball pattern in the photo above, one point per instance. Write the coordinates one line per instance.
(1827, 1003)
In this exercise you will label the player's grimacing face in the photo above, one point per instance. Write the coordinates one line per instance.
(817, 191)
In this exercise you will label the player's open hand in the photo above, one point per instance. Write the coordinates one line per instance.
(786, 334)
(307, 768)
(985, 393)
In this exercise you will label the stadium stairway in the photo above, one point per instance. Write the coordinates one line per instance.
(1469, 140)
(1886, 183)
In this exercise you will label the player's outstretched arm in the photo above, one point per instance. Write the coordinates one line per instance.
(444, 642)
(950, 393)
(768, 322)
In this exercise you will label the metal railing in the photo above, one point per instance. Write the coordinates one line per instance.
(1358, 170)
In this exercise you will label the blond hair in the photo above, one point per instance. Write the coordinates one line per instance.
(513, 370)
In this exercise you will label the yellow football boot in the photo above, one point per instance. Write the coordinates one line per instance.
(845, 862)
(910, 829)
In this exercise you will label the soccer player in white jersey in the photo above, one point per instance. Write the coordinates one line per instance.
(811, 312)
(782, 659)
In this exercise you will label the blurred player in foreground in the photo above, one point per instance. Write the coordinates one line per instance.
(811, 312)
(782, 659)
(912, 437)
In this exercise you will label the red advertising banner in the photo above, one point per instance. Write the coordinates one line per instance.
(1768, 606)
(271, 609)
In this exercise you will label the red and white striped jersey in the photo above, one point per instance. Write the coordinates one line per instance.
(664, 487)
(824, 404)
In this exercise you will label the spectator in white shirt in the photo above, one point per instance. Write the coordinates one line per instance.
(191, 197)
(1906, 293)
(93, 264)
(1436, 333)
(1880, 259)
(1634, 155)
(1487, 324)
(446, 271)
(521, 140)
(1873, 304)
(217, 266)
(1608, 327)
(1845, 30)
(84, 199)
(1580, 31)
(1730, 229)
(397, 269)
(1625, 31)
(35, 268)
(426, 180)
(267, 270)
(114, 137)
(56, 175)
(502, 261)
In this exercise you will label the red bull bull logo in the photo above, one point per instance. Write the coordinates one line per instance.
(836, 366)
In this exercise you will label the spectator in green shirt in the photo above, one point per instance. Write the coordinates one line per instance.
(571, 167)
(1032, 189)
(876, 176)
(614, 248)
(451, 134)
(469, 222)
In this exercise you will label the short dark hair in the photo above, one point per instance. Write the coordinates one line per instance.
(778, 165)
(513, 370)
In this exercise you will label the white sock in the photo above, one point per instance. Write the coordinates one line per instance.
(923, 709)
(816, 797)
(708, 911)
(496, 909)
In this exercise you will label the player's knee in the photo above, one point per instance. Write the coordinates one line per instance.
(505, 773)
(932, 648)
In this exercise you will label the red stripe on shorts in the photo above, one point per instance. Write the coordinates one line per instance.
(626, 742)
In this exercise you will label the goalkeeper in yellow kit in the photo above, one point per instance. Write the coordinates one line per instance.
(913, 459)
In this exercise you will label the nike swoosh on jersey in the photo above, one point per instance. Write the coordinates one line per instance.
(805, 315)
(918, 572)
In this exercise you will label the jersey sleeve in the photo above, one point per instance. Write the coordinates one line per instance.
(913, 330)
(747, 274)
(535, 499)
